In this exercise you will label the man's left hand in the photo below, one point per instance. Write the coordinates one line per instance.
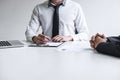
(59, 38)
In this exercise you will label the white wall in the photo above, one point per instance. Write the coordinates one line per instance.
(14, 17)
(102, 16)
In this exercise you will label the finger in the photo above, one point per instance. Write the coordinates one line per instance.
(103, 36)
(40, 35)
(44, 38)
(39, 42)
(100, 35)
(62, 40)
(92, 44)
(57, 39)
(93, 38)
(54, 38)
(98, 38)
(41, 38)
(91, 41)
(34, 39)
(97, 35)
(48, 38)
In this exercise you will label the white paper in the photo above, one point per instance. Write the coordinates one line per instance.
(51, 44)
(76, 46)
(48, 44)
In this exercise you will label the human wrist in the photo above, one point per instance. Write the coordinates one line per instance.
(70, 38)
(33, 39)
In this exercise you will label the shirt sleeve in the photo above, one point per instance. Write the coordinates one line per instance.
(81, 26)
(109, 49)
(33, 26)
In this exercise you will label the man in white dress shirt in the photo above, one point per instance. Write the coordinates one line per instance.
(71, 24)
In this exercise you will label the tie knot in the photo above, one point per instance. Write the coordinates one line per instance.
(57, 6)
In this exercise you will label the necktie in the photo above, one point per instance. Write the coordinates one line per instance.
(55, 29)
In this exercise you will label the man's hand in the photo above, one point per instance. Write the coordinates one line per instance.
(97, 39)
(59, 38)
(41, 39)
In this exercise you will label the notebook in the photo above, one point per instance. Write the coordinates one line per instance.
(11, 44)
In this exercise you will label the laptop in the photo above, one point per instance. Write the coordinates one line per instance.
(11, 44)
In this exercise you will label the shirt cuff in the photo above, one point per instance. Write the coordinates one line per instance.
(29, 37)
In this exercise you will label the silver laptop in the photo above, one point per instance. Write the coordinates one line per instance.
(11, 44)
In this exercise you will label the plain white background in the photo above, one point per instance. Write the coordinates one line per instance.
(101, 15)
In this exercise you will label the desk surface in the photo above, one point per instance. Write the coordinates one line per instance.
(70, 61)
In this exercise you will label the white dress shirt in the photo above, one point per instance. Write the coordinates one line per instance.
(71, 18)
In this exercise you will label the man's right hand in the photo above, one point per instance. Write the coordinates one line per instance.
(41, 39)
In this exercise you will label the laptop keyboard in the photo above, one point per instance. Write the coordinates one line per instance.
(11, 44)
(5, 43)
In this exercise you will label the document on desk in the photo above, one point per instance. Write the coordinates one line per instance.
(75, 46)
(48, 44)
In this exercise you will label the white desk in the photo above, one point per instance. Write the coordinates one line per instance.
(63, 63)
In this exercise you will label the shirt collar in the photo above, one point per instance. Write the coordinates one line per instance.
(51, 4)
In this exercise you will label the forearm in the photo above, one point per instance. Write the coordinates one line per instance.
(33, 26)
(29, 35)
(114, 39)
(109, 49)
(81, 26)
